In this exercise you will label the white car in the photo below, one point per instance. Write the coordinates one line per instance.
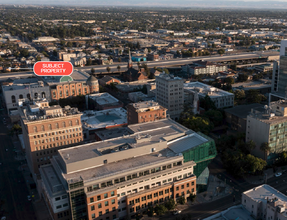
(278, 174)
(176, 212)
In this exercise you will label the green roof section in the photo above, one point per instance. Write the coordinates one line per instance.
(66, 79)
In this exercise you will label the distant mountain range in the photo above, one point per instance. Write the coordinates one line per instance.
(158, 3)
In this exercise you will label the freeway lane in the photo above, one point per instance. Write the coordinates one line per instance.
(164, 63)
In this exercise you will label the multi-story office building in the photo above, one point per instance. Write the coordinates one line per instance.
(221, 98)
(279, 77)
(119, 177)
(46, 129)
(169, 94)
(270, 127)
(21, 90)
(145, 111)
(265, 202)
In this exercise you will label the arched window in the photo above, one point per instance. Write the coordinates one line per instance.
(13, 99)
(20, 96)
(42, 128)
(50, 127)
(64, 124)
(43, 95)
(28, 96)
(70, 123)
(67, 92)
(35, 129)
(36, 95)
(77, 122)
(57, 125)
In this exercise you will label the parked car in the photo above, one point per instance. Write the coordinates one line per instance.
(176, 212)
(278, 174)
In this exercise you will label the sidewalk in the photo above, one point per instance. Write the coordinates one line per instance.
(40, 208)
(216, 189)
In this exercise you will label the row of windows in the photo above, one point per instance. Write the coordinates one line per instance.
(58, 144)
(36, 95)
(106, 203)
(67, 92)
(63, 214)
(56, 125)
(56, 133)
(133, 176)
(60, 206)
(57, 138)
(106, 195)
(155, 115)
(154, 184)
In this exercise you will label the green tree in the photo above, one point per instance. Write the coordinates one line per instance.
(108, 69)
(253, 96)
(170, 204)
(198, 123)
(242, 77)
(181, 200)
(221, 51)
(119, 68)
(160, 209)
(38, 58)
(93, 71)
(24, 52)
(265, 148)
(239, 94)
(192, 197)
(207, 103)
(166, 70)
(119, 59)
(214, 116)
(229, 80)
(69, 44)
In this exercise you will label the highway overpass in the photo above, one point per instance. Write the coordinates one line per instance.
(162, 63)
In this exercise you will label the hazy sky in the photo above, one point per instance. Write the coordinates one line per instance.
(280, 4)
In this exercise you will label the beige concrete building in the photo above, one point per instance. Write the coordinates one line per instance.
(119, 177)
(169, 94)
(266, 203)
(47, 129)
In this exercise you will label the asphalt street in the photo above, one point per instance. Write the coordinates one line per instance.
(13, 189)
(204, 210)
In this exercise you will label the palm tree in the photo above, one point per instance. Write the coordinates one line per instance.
(119, 68)
(265, 148)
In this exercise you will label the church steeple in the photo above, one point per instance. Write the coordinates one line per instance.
(130, 63)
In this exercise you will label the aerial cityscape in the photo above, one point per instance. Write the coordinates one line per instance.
(154, 110)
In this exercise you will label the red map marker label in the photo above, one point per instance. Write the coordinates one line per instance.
(53, 68)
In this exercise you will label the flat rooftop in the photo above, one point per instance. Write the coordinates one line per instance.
(24, 84)
(153, 130)
(93, 120)
(242, 111)
(146, 106)
(120, 166)
(168, 77)
(261, 193)
(53, 183)
(112, 133)
(104, 98)
(203, 90)
(260, 84)
(187, 142)
(234, 212)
